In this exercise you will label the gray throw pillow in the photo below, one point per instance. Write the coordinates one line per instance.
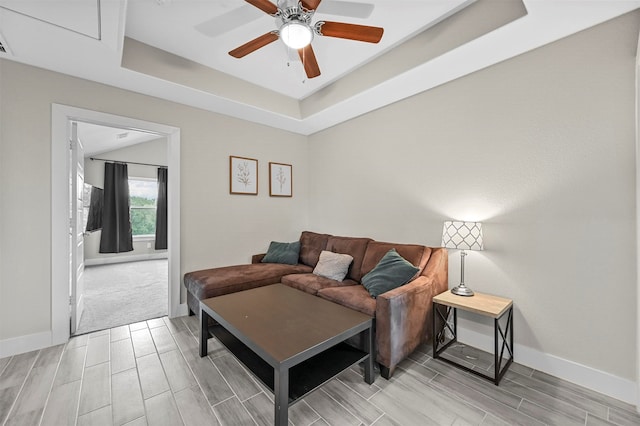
(391, 272)
(282, 253)
(333, 265)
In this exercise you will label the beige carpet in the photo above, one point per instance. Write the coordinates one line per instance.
(123, 293)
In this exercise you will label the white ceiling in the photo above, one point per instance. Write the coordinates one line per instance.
(59, 35)
(205, 31)
(97, 139)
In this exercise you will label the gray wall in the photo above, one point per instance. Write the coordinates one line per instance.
(541, 149)
(216, 228)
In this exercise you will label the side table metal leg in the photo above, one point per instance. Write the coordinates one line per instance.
(434, 336)
(281, 394)
(511, 331)
(455, 324)
(496, 362)
(439, 339)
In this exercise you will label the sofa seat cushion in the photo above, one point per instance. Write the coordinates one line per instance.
(355, 297)
(311, 283)
(230, 279)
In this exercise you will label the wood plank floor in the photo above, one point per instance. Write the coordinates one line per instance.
(149, 373)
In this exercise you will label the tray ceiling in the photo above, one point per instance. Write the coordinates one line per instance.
(177, 50)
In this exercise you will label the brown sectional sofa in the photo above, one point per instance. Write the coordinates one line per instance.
(403, 316)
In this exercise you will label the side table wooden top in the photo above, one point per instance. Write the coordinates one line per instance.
(480, 303)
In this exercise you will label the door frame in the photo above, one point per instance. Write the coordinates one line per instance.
(61, 117)
(76, 296)
(637, 163)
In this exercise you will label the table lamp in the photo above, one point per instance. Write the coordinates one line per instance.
(462, 236)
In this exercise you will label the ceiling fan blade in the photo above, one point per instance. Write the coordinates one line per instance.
(310, 4)
(350, 31)
(309, 61)
(228, 21)
(254, 45)
(264, 5)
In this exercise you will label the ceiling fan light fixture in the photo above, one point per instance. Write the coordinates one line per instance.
(296, 34)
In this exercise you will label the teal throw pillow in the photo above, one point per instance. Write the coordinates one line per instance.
(282, 253)
(391, 272)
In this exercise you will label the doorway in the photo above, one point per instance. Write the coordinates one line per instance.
(62, 117)
(113, 289)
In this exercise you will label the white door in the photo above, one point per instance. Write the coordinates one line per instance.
(76, 231)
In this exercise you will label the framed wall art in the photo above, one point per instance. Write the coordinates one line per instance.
(280, 180)
(243, 175)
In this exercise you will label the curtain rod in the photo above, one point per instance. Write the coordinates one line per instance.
(128, 162)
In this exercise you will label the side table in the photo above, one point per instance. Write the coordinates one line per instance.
(482, 304)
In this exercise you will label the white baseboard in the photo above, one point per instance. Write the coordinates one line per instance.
(597, 380)
(122, 259)
(22, 344)
(31, 342)
(180, 311)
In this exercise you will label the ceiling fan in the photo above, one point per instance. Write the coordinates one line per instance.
(293, 18)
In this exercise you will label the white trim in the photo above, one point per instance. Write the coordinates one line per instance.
(61, 115)
(637, 129)
(181, 310)
(59, 226)
(143, 238)
(26, 343)
(124, 259)
(597, 380)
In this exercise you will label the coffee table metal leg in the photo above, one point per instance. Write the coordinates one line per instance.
(204, 333)
(368, 363)
(281, 394)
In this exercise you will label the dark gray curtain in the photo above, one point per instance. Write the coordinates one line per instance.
(161, 210)
(116, 225)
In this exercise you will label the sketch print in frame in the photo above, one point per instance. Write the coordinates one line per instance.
(243, 175)
(280, 180)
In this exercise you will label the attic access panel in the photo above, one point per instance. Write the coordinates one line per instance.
(80, 16)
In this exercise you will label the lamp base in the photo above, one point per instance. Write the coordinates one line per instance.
(462, 290)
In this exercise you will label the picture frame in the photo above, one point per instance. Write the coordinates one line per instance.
(280, 180)
(243, 175)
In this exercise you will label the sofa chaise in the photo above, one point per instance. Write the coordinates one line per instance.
(403, 315)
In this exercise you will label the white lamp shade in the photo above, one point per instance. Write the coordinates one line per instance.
(296, 35)
(462, 235)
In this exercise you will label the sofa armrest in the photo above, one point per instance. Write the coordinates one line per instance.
(404, 320)
(257, 258)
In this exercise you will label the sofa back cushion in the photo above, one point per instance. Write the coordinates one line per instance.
(415, 254)
(354, 247)
(311, 244)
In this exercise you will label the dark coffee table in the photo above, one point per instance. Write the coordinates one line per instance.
(292, 341)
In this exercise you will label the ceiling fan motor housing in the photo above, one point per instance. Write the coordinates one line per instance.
(295, 13)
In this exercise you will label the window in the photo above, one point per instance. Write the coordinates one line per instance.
(142, 203)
